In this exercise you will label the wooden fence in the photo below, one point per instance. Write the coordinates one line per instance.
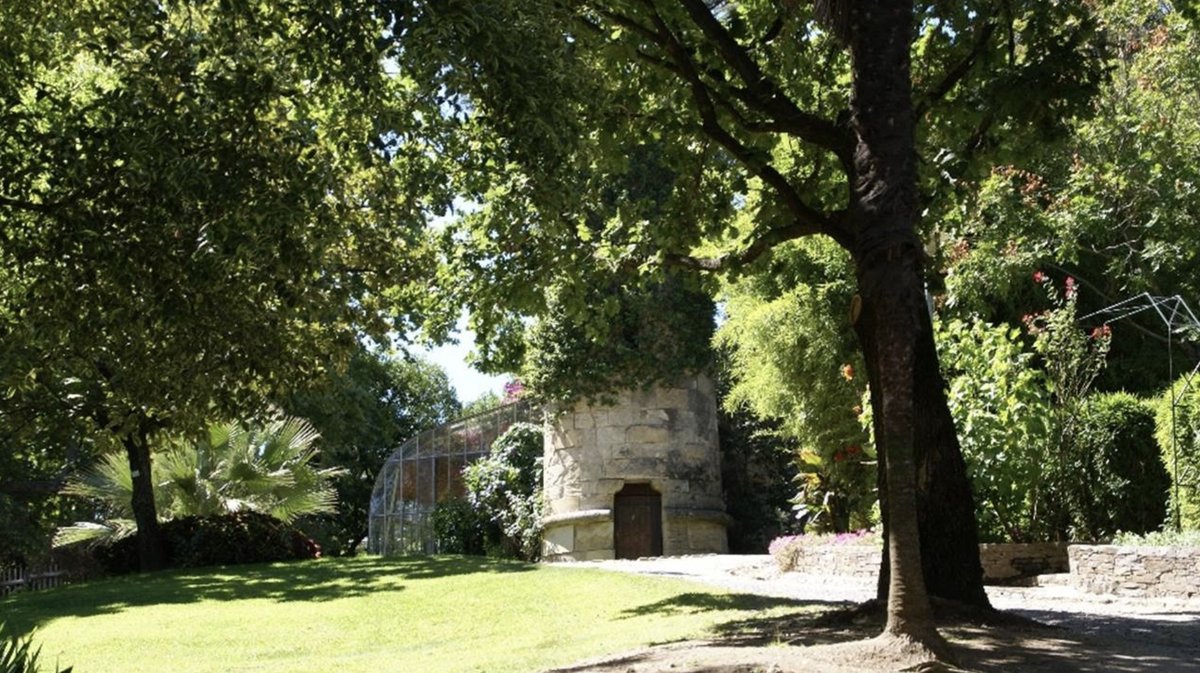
(18, 578)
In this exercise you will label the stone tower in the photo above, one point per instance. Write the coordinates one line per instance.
(638, 478)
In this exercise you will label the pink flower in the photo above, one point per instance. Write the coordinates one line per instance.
(1039, 277)
(1101, 332)
(513, 390)
(1069, 283)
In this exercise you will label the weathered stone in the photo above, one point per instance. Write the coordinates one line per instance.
(647, 434)
(664, 437)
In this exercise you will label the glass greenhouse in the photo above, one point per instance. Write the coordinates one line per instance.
(426, 470)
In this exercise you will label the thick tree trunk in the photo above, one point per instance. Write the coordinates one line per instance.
(945, 503)
(149, 539)
(884, 212)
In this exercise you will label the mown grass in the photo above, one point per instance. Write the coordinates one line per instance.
(417, 615)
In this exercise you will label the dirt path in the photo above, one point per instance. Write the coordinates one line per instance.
(1086, 633)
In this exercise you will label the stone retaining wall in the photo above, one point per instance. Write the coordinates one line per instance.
(1160, 572)
(1008, 561)
(1001, 562)
(849, 560)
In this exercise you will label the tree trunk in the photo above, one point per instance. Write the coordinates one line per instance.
(149, 540)
(945, 503)
(883, 212)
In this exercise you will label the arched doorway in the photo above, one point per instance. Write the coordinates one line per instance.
(637, 522)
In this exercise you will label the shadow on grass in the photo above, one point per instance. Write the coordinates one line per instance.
(693, 603)
(304, 581)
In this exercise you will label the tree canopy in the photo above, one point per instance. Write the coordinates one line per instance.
(200, 205)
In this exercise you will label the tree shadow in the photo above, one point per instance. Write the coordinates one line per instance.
(697, 602)
(995, 642)
(303, 581)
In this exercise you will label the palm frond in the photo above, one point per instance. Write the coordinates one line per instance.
(85, 532)
(108, 481)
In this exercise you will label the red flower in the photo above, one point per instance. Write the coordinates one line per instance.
(1039, 277)
(839, 457)
(1101, 332)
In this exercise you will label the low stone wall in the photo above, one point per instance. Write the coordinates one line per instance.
(1001, 562)
(847, 560)
(1004, 562)
(1160, 572)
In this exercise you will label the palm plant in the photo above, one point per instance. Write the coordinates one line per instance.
(17, 654)
(234, 467)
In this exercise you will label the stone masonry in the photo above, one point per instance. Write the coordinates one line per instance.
(665, 437)
(1161, 572)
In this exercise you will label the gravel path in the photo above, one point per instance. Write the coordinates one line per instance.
(1148, 621)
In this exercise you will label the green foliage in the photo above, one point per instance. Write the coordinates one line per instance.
(757, 473)
(459, 527)
(17, 655)
(362, 413)
(1001, 407)
(199, 209)
(505, 488)
(1114, 202)
(1165, 538)
(485, 402)
(1119, 482)
(269, 468)
(1071, 358)
(1181, 453)
(216, 540)
(647, 336)
(793, 365)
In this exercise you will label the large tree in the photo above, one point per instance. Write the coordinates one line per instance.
(197, 210)
(844, 118)
(363, 413)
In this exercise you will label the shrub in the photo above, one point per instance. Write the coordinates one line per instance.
(505, 487)
(458, 527)
(1169, 538)
(1001, 407)
(1182, 460)
(226, 539)
(17, 654)
(1120, 483)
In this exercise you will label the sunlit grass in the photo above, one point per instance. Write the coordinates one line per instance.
(428, 615)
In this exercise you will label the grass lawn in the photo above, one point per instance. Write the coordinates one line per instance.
(416, 615)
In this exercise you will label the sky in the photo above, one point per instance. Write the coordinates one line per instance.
(469, 384)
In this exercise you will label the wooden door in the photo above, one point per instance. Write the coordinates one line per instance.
(637, 522)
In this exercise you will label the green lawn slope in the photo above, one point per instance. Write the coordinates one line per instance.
(416, 615)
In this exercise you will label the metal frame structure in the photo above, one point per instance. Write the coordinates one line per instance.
(427, 469)
(1178, 319)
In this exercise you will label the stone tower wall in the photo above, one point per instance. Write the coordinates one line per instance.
(666, 437)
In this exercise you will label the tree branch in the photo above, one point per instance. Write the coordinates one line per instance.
(766, 93)
(807, 218)
(957, 72)
(757, 248)
(21, 204)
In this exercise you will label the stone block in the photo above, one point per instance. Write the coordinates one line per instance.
(647, 434)
(594, 536)
(558, 540)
